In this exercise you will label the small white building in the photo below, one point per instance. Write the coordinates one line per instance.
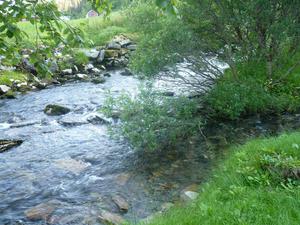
(92, 13)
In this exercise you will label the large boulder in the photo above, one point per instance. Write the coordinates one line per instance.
(4, 89)
(5, 145)
(56, 110)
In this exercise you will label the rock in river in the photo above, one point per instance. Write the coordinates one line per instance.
(40, 212)
(72, 165)
(56, 110)
(121, 203)
(111, 218)
(8, 144)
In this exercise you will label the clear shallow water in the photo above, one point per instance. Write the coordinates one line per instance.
(81, 167)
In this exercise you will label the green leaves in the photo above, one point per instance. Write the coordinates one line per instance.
(168, 6)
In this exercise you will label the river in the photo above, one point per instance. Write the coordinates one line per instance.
(76, 165)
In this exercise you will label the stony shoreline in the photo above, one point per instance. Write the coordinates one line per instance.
(101, 60)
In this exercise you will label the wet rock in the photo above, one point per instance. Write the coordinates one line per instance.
(4, 89)
(40, 212)
(97, 119)
(5, 145)
(72, 165)
(111, 218)
(89, 67)
(189, 196)
(71, 121)
(126, 72)
(98, 80)
(95, 71)
(38, 83)
(67, 72)
(107, 74)
(55, 82)
(122, 178)
(56, 110)
(81, 76)
(121, 203)
(101, 56)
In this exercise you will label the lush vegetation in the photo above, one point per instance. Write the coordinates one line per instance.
(258, 184)
(152, 121)
(259, 41)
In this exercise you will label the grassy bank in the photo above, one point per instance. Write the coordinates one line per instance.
(258, 184)
(99, 30)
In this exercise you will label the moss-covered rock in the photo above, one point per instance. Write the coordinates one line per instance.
(56, 110)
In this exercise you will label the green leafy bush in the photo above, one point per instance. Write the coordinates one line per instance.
(154, 122)
(163, 39)
(230, 98)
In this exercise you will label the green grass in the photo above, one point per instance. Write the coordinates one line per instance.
(97, 29)
(6, 76)
(248, 188)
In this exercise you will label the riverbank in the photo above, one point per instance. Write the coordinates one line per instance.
(257, 184)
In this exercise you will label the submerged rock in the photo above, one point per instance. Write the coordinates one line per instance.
(111, 218)
(56, 110)
(121, 203)
(40, 212)
(97, 119)
(71, 121)
(5, 145)
(122, 178)
(72, 165)
(98, 80)
(126, 72)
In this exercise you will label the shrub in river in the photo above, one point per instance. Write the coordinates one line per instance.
(154, 122)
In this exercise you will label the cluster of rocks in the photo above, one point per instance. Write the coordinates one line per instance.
(114, 55)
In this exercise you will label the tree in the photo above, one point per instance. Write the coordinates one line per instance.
(254, 30)
(50, 30)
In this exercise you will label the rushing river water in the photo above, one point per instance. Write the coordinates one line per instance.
(76, 165)
(78, 168)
